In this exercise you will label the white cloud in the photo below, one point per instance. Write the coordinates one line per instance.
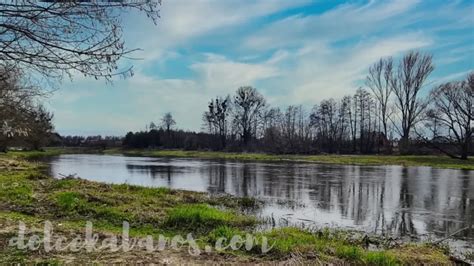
(219, 75)
(183, 20)
(144, 98)
(296, 59)
(343, 22)
(321, 71)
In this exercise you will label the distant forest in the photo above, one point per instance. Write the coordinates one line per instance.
(389, 114)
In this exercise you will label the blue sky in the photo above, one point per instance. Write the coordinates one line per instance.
(293, 52)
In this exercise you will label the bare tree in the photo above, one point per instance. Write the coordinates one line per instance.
(407, 82)
(272, 132)
(344, 120)
(364, 106)
(469, 87)
(353, 119)
(378, 80)
(248, 107)
(453, 108)
(57, 38)
(168, 122)
(152, 126)
(288, 128)
(217, 117)
(40, 127)
(20, 114)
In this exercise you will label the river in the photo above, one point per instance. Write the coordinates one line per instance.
(415, 203)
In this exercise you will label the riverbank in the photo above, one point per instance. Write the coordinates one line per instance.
(32, 197)
(405, 160)
(409, 160)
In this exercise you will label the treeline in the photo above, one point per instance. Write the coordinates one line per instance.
(90, 141)
(164, 135)
(390, 113)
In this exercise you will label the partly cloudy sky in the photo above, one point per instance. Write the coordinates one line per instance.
(293, 52)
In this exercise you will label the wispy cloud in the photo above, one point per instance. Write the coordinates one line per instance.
(343, 22)
(293, 51)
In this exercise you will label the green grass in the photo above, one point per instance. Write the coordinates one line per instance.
(15, 184)
(328, 246)
(409, 160)
(381, 258)
(50, 151)
(69, 201)
(334, 247)
(204, 217)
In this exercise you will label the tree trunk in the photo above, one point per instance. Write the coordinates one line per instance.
(404, 145)
(223, 141)
(3, 145)
(464, 150)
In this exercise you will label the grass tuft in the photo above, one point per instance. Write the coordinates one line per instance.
(380, 258)
(350, 253)
(204, 217)
(224, 231)
(69, 201)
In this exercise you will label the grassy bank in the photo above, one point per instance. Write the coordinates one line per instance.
(405, 160)
(29, 196)
(50, 151)
(413, 160)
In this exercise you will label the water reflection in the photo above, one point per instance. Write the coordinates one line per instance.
(391, 200)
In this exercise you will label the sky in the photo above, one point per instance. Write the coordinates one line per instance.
(293, 52)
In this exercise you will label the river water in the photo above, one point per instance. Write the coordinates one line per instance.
(418, 203)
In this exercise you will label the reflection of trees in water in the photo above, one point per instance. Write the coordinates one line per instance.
(156, 171)
(384, 199)
(402, 221)
(234, 178)
(454, 197)
(393, 206)
(395, 200)
(285, 181)
(217, 177)
(467, 205)
(388, 199)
